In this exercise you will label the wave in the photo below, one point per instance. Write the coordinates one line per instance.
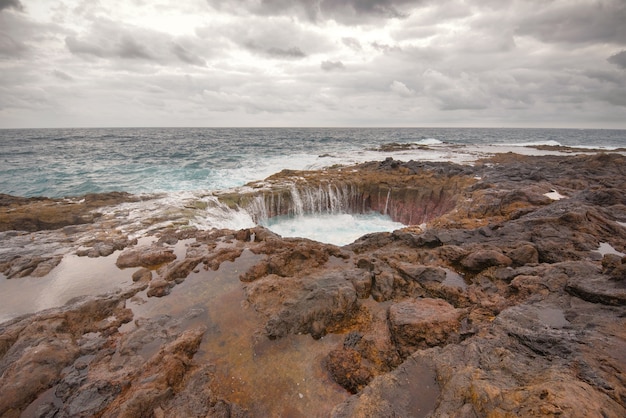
(429, 141)
(550, 143)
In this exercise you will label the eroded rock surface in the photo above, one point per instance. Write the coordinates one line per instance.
(502, 305)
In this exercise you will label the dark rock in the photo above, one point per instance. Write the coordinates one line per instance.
(524, 254)
(383, 286)
(597, 289)
(421, 274)
(362, 282)
(614, 266)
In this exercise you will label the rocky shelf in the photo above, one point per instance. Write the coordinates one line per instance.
(508, 300)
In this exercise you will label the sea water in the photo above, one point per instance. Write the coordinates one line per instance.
(73, 162)
(338, 229)
(175, 161)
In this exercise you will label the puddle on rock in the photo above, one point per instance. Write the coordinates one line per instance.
(284, 377)
(413, 391)
(74, 276)
(606, 248)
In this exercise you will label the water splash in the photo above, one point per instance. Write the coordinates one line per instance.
(337, 229)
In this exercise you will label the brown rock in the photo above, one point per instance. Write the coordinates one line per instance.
(145, 257)
(524, 254)
(308, 305)
(159, 288)
(30, 266)
(482, 259)
(422, 323)
(142, 275)
(346, 368)
(39, 213)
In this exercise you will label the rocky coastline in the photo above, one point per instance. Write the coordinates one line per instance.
(505, 296)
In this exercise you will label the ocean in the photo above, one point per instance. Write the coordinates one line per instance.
(73, 162)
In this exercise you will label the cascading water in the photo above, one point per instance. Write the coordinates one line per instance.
(387, 201)
(331, 213)
(299, 201)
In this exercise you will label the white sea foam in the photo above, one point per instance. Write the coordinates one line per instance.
(337, 229)
(429, 141)
(550, 143)
(218, 215)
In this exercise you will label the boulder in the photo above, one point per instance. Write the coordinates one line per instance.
(145, 257)
(422, 323)
(309, 305)
(482, 259)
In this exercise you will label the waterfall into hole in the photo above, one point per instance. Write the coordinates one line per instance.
(330, 213)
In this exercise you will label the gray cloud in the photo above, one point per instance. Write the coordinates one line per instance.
(124, 47)
(332, 65)
(275, 37)
(276, 52)
(291, 52)
(9, 46)
(385, 48)
(345, 11)
(576, 22)
(352, 43)
(114, 41)
(187, 56)
(128, 47)
(62, 75)
(12, 4)
(618, 59)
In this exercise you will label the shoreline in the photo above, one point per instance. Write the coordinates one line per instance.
(511, 262)
(99, 182)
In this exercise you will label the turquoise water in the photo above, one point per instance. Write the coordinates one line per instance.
(73, 162)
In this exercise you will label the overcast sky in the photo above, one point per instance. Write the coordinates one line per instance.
(544, 63)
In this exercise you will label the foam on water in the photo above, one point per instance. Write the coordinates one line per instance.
(337, 229)
(429, 141)
(550, 143)
(72, 162)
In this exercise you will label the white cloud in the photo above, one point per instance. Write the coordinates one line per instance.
(400, 89)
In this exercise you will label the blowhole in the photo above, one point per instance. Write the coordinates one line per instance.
(337, 229)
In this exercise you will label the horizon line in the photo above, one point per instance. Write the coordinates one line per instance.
(319, 127)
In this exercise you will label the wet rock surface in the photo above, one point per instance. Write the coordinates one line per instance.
(503, 304)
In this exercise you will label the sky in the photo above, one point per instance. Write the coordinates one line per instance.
(418, 63)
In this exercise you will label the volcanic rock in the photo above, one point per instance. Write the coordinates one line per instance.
(499, 305)
(422, 323)
(145, 257)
